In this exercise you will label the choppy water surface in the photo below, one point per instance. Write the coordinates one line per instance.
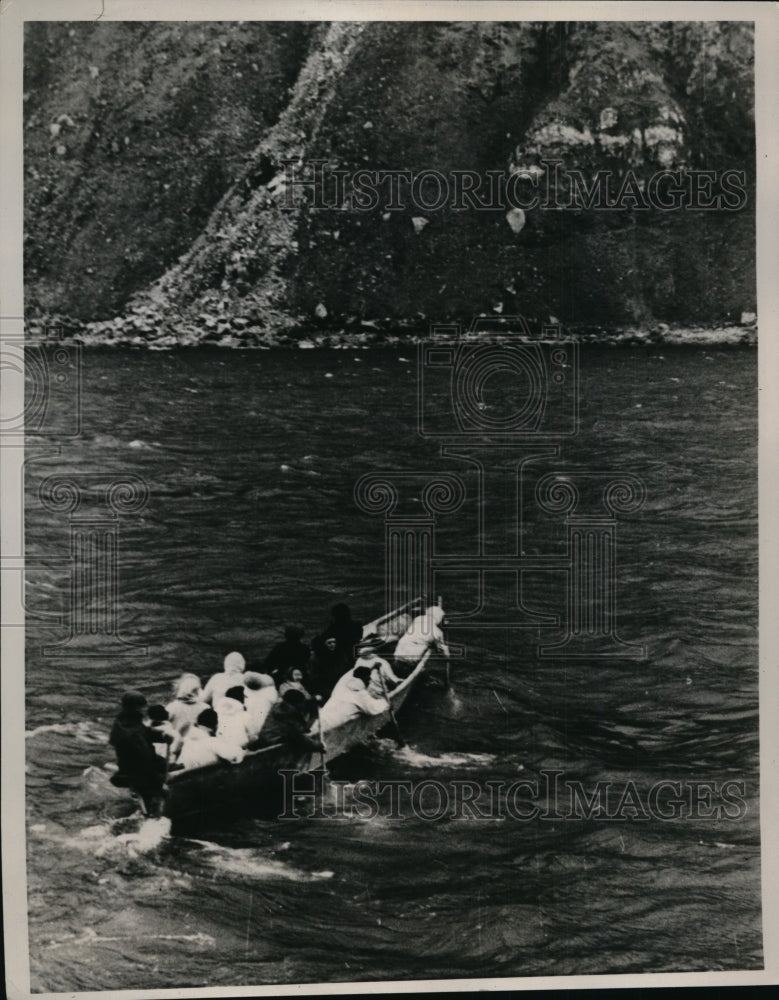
(251, 461)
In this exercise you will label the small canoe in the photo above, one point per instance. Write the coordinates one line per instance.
(198, 795)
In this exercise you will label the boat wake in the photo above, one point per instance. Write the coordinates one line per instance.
(139, 835)
(249, 862)
(90, 937)
(129, 837)
(415, 758)
(84, 732)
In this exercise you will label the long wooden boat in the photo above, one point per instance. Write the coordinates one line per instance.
(200, 794)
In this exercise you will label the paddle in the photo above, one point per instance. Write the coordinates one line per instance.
(318, 702)
(398, 738)
(167, 764)
(447, 662)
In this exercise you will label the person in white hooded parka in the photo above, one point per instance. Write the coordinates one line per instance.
(423, 633)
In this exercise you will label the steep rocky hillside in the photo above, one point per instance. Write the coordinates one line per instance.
(158, 194)
(133, 131)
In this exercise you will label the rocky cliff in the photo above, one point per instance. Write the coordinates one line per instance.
(602, 173)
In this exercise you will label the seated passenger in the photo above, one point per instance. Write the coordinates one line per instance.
(232, 674)
(202, 747)
(187, 704)
(232, 717)
(261, 696)
(288, 723)
(140, 767)
(350, 699)
(292, 652)
(423, 633)
(294, 680)
(159, 722)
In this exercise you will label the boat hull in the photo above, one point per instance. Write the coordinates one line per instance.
(256, 786)
(224, 790)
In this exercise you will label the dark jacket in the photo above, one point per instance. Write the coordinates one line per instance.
(138, 761)
(327, 666)
(285, 724)
(284, 656)
(347, 634)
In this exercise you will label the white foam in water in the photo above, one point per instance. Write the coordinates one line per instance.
(151, 834)
(85, 732)
(453, 701)
(247, 861)
(102, 839)
(415, 758)
(57, 727)
(90, 936)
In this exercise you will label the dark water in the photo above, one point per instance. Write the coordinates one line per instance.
(251, 461)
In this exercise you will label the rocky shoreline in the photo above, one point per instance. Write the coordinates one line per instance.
(138, 330)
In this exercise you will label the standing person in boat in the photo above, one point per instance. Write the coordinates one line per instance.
(292, 652)
(328, 664)
(346, 631)
(288, 723)
(232, 674)
(202, 747)
(423, 633)
(261, 696)
(351, 698)
(232, 717)
(187, 704)
(140, 767)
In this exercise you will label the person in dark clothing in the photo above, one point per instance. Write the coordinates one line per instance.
(140, 767)
(288, 722)
(328, 665)
(346, 632)
(292, 652)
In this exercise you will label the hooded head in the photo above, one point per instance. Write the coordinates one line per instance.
(133, 703)
(208, 719)
(363, 674)
(234, 663)
(188, 688)
(237, 693)
(436, 614)
(341, 613)
(158, 713)
(295, 698)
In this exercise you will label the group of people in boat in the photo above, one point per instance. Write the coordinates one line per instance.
(240, 710)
